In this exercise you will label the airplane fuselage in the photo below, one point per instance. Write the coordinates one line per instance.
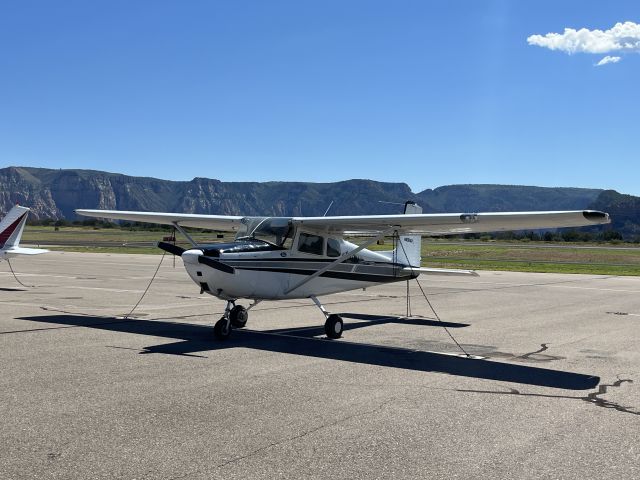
(270, 274)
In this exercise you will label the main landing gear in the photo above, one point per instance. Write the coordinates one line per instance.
(235, 316)
(334, 325)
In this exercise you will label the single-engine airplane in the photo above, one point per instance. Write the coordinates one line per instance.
(274, 258)
(11, 228)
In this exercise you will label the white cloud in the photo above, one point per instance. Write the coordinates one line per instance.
(607, 59)
(622, 37)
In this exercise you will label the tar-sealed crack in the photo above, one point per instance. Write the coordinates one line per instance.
(593, 397)
(536, 356)
(543, 347)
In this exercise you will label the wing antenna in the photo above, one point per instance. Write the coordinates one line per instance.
(328, 208)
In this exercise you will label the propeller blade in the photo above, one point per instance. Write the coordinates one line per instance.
(210, 262)
(171, 248)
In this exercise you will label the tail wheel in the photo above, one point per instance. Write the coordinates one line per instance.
(238, 316)
(333, 326)
(222, 329)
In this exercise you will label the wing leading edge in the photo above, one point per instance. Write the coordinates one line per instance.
(431, 224)
(222, 223)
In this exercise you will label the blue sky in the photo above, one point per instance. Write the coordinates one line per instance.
(424, 92)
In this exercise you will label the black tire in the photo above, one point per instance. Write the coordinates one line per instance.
(333, 326)
(222, 329)
(239, 316)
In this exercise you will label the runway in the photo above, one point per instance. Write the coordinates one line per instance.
(553, 390)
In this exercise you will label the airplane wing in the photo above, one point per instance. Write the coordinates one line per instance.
(222, 223)
(433, 224)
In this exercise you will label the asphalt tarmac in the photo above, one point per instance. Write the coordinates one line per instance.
(552, 390)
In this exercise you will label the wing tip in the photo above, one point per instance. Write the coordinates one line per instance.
(596, 216)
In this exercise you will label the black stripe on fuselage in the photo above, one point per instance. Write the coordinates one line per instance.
(348, 262)
(361, 277)
(286, 259)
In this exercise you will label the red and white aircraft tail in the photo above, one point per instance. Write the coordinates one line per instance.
(11, 228)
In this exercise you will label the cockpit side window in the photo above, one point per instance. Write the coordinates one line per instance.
(333, 247)
(308, 243)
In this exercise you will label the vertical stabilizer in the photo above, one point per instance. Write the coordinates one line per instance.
(408, 251)
(11, 227)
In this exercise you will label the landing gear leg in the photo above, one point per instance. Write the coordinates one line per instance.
(333, 326)
(222, 328)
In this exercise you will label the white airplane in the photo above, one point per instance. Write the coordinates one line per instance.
(275, 258)
(11, 228)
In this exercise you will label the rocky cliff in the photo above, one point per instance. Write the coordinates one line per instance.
(56, 193)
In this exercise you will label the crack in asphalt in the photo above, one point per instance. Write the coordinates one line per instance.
(536, 356)
(544, 347)
(305, 434)
(593, 397)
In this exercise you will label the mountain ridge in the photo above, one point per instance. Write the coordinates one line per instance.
(55, 194)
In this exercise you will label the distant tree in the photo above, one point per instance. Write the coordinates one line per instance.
(570, 236)
(611, 235)
(533, 236)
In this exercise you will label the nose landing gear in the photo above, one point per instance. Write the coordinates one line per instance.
(235, 316)
(222, 329)
(238, 316)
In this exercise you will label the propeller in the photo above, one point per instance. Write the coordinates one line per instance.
(171, 248)
(210, 262)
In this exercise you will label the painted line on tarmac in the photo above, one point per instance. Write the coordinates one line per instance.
(79, 276)
(103, 289)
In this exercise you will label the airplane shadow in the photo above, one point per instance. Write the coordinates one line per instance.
(408, 320)
(370, 320)
(199, 338)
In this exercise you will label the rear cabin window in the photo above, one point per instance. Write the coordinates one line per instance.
(308, 243)
(333, 247)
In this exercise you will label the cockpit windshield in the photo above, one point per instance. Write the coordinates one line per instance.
(272, 230)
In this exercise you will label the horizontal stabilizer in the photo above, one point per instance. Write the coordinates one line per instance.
(440, 271)
(24, 251)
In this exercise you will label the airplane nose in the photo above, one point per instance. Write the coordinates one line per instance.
(196, 257)
(192, 256)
